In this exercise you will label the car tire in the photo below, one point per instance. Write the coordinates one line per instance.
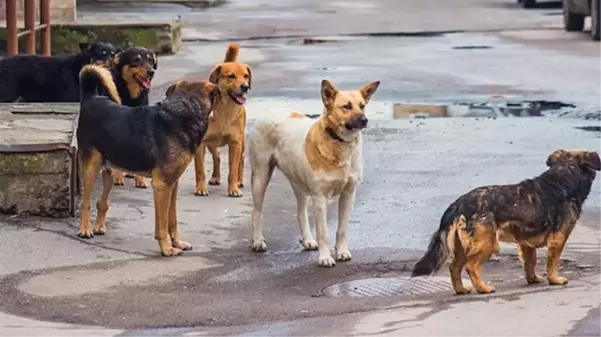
(528, 3)
(572, 22)
(595, 17)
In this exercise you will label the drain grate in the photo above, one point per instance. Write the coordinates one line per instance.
(374, 287)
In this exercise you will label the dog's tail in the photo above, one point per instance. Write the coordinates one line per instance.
(231, 54)
(442, 244)
(96, 80)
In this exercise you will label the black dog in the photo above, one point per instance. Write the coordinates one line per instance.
(37, 78)
(132, 71)
(157, 141)
(533, 213)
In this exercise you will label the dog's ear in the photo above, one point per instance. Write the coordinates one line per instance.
(250, 77)
(214, 76)
(118, 50)
(368, 90)
(171, 88)
(84, 46)
(117, 58)
(328, 92)
(155, 61)
(590, 159)
(554, 157)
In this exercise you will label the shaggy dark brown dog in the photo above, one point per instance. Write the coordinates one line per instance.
(534, 213)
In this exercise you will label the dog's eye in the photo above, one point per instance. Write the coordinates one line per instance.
(103, 52)
(348, 106)
(246, 76)
(232, 76)
(361, 106)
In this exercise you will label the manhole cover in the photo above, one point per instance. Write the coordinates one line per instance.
(393, 286)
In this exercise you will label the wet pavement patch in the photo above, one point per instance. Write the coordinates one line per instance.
(391, 286)
(589, 128)
(472, 47)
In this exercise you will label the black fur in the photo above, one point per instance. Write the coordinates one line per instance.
(537, 206)
(136, 138)
(37, 78)
(133, 57)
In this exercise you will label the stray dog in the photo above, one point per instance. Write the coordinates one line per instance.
(534, 213)
(157, 141)
(228, 125)
(132, 72)
(37, 78)
(321, 159)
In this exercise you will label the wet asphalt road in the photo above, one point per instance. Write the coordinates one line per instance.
(413, 169)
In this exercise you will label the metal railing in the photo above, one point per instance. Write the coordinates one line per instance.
(13, 35)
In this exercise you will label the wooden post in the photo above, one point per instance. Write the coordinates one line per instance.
(45, 20)
(30, 26)
(12, 42)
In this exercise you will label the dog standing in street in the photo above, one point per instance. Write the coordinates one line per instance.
(227, 126)
(322, 159)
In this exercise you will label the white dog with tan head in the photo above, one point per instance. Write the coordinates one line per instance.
(321, 159)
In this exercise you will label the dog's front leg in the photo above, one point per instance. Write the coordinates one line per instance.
(345, 207)
(162, 200)
(320, 204)
(235, 151)
(199, 171)
(172, 222)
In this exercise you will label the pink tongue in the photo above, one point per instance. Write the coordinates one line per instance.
(146, 84)
(240, 99)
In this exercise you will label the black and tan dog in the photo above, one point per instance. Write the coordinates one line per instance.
(534, 213)
(37, 78)
(132, 71)
(157, 142)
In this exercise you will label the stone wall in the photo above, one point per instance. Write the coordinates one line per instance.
(60, 10)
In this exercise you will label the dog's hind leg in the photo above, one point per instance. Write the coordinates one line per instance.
(140, 182)
(216, 175)
(482, 247)
(528, 256)
(199, 171)
(91, 163)
(320, 204)
(261, 173)
(172, 225)
(307, 239)
(102, 205)
(555, 244)
(118, 177)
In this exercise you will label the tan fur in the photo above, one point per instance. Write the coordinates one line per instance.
(107, 80)
(227, 126)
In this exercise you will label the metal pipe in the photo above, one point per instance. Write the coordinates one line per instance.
(12, 42)
(30, 26)
(45, 20)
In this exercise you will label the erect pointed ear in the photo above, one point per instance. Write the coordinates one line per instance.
(590, 159)
(328, 92)
(554, 157)
(214, 76)
(83, 46)
(368, 90)
(117, 58)
(177, 85)
(250, 77)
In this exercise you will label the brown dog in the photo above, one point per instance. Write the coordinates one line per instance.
(227, 126)
(534, 213)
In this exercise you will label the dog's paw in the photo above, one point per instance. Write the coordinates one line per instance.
(129, 175)
(118, 181)
(140, 182)
(215, 181)
(326, 261)
(234, 193)
(463, 290)
(558, 281)
(485, 289)
(99, 230)
(202, 191)
(172, 251)
(259, 245)
(534, 279)
(344, 255)
(85, 234)
(183, 245)
(309, 244)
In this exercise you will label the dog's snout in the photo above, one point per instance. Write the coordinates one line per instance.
(244, 87)
(151, 72)
(362, 120)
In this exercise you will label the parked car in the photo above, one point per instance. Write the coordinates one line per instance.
(574, 13)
